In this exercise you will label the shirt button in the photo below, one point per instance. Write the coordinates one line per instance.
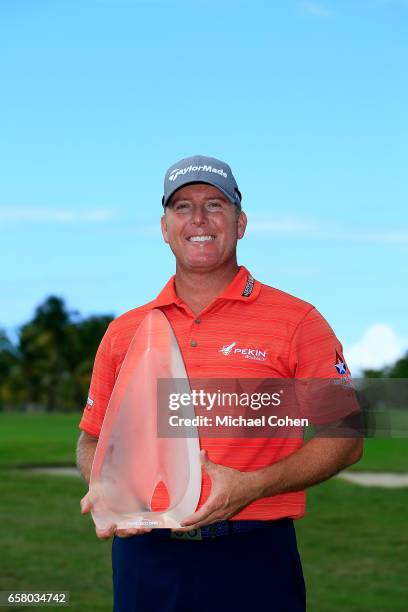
(198, 321)
(193, 343)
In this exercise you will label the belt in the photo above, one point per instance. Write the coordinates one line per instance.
(215, 530)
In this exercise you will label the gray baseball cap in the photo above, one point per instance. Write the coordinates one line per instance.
(201, 169)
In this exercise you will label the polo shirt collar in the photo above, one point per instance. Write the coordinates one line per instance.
(167, 295)
(243, 287)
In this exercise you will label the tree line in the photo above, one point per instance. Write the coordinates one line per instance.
(49, 367)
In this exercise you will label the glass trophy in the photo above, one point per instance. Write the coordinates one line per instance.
(131, 459)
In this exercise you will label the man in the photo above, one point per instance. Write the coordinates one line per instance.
(252, 489)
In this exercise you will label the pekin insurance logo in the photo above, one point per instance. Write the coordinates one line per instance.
(247, 353)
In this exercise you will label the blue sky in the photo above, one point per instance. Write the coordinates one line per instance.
(305, 100)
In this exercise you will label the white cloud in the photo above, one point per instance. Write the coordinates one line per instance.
(379, 346)
(316, 9)
(18, 214)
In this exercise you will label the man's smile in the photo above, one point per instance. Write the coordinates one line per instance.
(199, 238)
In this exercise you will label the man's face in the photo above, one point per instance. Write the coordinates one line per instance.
(202, 227)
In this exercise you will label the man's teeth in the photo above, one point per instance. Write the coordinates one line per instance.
(201, 238)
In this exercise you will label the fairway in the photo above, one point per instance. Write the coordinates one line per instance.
(353, 540)
(48, 545)
(38, 439)
(50, 439)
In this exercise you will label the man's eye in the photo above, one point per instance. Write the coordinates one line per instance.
(213, 205)
(182, 207)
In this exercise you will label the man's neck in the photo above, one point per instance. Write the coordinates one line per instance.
(199, 289)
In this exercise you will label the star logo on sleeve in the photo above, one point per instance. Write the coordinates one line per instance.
(89, 403)
(340, 364)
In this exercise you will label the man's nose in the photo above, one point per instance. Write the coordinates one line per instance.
(199, 215)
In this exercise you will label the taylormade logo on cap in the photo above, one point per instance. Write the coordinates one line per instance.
(177, 172)
(201, 169)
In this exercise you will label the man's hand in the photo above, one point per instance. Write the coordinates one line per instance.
(231, 491)
(105, 534)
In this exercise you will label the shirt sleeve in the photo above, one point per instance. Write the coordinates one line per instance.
(101, 387)
(315, 351)
(323, 381)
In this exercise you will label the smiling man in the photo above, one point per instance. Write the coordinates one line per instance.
(243, 554)
(202, 229)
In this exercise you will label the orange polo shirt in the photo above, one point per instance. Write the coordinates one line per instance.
(293, 340)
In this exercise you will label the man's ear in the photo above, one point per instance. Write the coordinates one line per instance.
(241, 224)
(163, 224)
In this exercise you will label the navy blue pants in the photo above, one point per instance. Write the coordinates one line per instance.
(247, 572)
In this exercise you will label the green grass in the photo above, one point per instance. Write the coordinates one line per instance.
(384, 455)
(30, 439)
(50, 439)
(353, 540)
(353, 543)
(47, 544)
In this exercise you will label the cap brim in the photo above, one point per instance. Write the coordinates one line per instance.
(170, 195)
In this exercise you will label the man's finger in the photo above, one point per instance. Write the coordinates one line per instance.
(211, 517)
(86, 505)
(203, 456)
(127, 533)
(206, 510)
(105, 534)
(206, 463)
